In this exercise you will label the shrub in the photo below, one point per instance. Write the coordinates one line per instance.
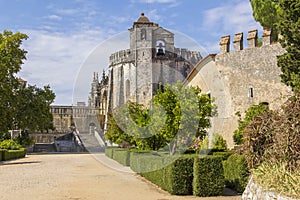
(225, 155)
(236, 172)
(180, 173)
(208, 176)
(173, 174)
(218, 142)
(13, 154)
(9, 145)
(253, 111)
(109, 151)
(122, 156)
(277, 177)
(1, 154)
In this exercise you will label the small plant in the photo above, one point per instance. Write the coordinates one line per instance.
(253, 111)
(219, 143)
(9, 145)
(277, 177)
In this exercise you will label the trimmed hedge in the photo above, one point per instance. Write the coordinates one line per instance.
(208, 176)
(1, 154)
(13, 154)
(173, 174)
(225, 155)
(109, 152)
(236, 172)
(122, 156)
(179, 175)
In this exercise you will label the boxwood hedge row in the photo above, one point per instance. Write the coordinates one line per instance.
(200, 175)
(236, 172)
(12, 154)
(208, 176)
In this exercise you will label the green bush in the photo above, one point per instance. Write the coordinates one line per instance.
(122, 156)
(1, 154)
(173, 174)
(225, 155)
(109, 152)
(180, 173)
(236, 172)
(208, 176)
(13, 154)
(10, 145)
(136, 160)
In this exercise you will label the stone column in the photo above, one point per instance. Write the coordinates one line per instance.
(266, 37)
(225, 44)
(238, 42)
(252, 38)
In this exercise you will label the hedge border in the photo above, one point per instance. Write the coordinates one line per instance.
(12, 154)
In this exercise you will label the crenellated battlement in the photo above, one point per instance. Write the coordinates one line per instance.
(127, 55)
(121, 56)
(187, 54)
(238, 40)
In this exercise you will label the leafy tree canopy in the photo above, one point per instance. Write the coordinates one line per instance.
(283, 17)
(21, 106)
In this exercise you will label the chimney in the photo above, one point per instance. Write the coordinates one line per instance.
(252, 39)
(225, 44)
(266, 37)
(238, 42)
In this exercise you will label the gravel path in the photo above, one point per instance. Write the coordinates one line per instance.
(77, 177)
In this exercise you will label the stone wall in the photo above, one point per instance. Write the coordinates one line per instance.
(257, 192)
(240, 78)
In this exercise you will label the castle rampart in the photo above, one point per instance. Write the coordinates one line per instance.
(238, 40)
(123, 56)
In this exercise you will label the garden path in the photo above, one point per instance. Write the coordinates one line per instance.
(80, 177)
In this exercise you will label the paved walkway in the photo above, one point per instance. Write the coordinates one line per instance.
(77, 177)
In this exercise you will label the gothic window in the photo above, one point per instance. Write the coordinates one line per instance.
(143, 34)
(127, 89)
(160, 48)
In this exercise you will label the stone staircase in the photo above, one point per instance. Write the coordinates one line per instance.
(44, 148)
(91, 143)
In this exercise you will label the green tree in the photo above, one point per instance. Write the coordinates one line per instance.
(289, 26)
(11, 59)
(33, 108)
(21, 107)
(283, 17)
(265, 12)
(187, 115)
(176, 116)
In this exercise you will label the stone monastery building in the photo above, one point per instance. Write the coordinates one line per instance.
(236, 80)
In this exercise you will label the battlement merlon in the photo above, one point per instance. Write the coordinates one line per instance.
(187, 54)
(252, 39)
(121, 56)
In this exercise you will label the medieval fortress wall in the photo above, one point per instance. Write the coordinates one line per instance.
(240, 78)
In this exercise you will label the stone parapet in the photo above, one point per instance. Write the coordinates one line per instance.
(121, 57)
(252, 40)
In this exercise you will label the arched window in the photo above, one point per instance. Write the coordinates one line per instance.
(143, 34)
(127, 89)
(160, 48)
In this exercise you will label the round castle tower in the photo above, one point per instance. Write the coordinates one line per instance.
(152, 61)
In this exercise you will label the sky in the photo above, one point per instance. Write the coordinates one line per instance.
(71, 39)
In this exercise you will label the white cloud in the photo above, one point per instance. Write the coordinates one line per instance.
(56, 59)
(54, 17)
(232, 18)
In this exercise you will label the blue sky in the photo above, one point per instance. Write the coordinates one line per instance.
(66, 36)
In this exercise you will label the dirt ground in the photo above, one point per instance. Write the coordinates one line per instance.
(77, 177)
